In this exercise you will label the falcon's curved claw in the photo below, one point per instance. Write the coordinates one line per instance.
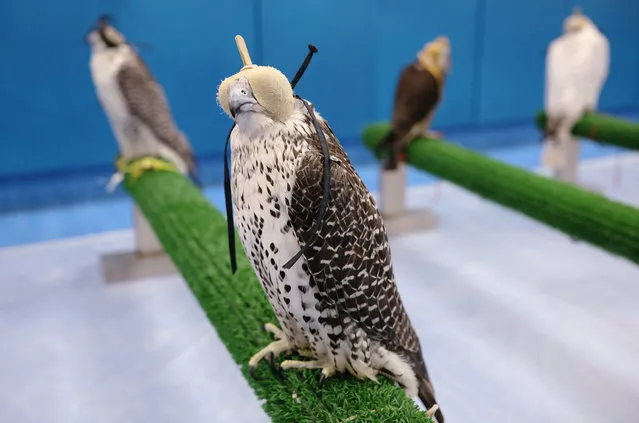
(326, 373)
(280, 346)
(271, 351)
(252, 372)
(270, 357)
(279, 374)
(277, 371)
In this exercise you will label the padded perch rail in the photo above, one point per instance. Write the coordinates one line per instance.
(584, 215)
(602, 128)
(193, 233)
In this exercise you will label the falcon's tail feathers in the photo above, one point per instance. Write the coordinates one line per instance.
(194, 171)
(388, 144)
(426, 395)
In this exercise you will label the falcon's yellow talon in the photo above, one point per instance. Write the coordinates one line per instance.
(136, 172)
(151, 163)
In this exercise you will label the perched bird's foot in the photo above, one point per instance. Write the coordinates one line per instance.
(275, 348)
(269, 353)
(328, 368)
(274, 330)
(138, 167)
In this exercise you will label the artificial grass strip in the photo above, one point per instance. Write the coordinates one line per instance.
(602, 128)
(584, 215)
(193, 233)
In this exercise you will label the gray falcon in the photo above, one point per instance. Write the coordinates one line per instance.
(135, 105)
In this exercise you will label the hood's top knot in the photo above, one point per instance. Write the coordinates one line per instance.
(244, 54)
(271, 88)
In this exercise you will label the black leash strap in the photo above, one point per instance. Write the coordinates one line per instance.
(229, 203)
(327, 188)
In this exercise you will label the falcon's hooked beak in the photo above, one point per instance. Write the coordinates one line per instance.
(241, 100)
(104, 33)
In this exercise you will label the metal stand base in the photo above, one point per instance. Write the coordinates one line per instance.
(130, 266)
(397, 219)
(146, 241)
(149, 260)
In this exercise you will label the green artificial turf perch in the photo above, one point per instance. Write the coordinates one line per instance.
(584, 215)
(602, 128)
(193, 233)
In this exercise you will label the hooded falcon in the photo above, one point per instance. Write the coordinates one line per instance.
(136, 106)
(577, 66)
(338, 305)
(419, 91)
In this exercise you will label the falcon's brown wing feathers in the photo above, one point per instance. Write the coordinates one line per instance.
(350, 261)
(416, 97)
(146, 101)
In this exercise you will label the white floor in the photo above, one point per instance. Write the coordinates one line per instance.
(518, 323)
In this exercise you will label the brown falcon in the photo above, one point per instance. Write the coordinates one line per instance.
(418, 93)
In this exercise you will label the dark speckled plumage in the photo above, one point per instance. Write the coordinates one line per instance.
(345, 282)
(147, 102)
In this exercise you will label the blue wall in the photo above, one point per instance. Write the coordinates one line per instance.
(50, 120)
